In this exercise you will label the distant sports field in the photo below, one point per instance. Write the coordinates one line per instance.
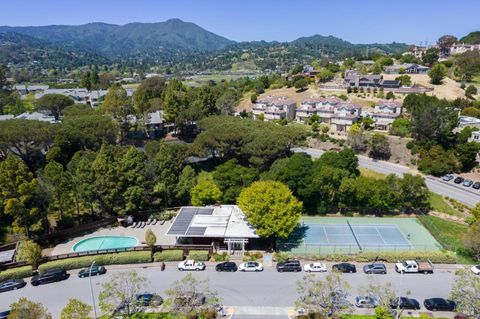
(316, 235)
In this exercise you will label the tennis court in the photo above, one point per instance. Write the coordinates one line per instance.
(351, 235)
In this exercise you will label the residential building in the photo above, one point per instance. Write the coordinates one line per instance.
(354, 79)
(459, 48)
(408, 68)
(224, 226)
(96, 96)
(36, 116)
(464, 121)
(275, 108)
(475, 137)
(79, 95)
(338, 114)
(24, 89)
(417, 52)
(385, 113)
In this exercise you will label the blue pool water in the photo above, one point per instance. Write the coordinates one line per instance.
(105, 242)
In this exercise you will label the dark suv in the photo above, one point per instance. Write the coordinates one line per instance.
(289, 265)
(344, 267)
(226, 266)
(458, 180)
(49, 276)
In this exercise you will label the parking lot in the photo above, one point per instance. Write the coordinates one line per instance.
(250, 293)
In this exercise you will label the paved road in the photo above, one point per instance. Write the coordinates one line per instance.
(266, 294)
(468, 196)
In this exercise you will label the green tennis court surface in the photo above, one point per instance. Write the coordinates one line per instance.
(316, 235)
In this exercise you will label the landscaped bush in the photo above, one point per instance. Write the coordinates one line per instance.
(252, 256)
(220, 257)
(168, 255)
(15, 273)
(390, 257)
(134, 257)
(198, 255)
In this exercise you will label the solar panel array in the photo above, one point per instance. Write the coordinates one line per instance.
(184, 219)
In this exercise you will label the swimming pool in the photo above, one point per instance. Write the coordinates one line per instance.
(105, 242)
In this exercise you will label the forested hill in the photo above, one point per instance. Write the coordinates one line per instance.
(117, 41)
(471, 38)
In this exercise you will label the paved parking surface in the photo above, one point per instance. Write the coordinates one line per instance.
(247, 292)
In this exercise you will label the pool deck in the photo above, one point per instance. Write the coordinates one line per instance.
(138, 233)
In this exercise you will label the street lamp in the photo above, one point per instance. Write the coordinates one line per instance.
(91, 290)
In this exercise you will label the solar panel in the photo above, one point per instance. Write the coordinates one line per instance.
(184, 218)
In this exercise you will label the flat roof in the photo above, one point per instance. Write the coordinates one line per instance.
(223, 221)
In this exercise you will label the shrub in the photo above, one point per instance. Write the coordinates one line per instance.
(15, 273)
(134, 257)
(168, 255)
(220, 257)
(390, 257)
(198, 255)
(252, 256)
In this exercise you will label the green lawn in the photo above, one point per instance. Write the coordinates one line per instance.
(447, 233)
(438, 203)
(365, 172)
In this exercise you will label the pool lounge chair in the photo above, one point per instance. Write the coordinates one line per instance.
(154, 221)
(149, 221)
(142, 224)
(162, 222)
(134, 224)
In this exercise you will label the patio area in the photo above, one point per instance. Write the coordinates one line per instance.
(138, 233)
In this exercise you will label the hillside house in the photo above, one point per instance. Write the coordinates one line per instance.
(407, 68)
(475, 137)
(274, 108)
(459, 48)
(385, 113)
(354, 79)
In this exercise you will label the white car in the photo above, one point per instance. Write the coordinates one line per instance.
(250, 266)
(315, 267)
(476, 269)
(191, 265)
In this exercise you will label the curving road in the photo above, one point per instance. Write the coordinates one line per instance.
(468, 196)
(267, 294)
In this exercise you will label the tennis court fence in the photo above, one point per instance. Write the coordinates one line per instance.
(309, 249)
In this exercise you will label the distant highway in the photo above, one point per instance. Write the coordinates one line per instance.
(468, 196)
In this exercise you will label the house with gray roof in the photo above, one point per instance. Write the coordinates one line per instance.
(353, 78)
(275, 108)
(407, 68)
(385, 113)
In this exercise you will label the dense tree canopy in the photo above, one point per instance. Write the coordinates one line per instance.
(271, 208)
(53, 103)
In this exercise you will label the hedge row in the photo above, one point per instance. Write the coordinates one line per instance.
(220, 257)
(198, 255)
(390, 257)
(15, 273)
(168, 255)
(133, 257)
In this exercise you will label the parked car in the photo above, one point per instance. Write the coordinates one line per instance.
(375, 268)
(405, 303)
(476, 185)
(458, 180)
(467, 183)
(49, 276)
(94, 271)
(447, 177)
(366, 302)
(476, 269)
(414, 266)
(4, 314)
(226, 266)
(315, 267)
(439, 304)
(12, 284)
(289, 265)
(344, 267)
(149, 300)
(250, 266)
(191, 264)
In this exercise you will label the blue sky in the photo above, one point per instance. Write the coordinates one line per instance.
(410, 21)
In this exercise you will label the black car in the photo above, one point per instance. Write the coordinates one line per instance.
(375, 268)
(289, 265)
(4, 314)
(12, 284)
(458, 180)
(476, 185)
(439, 304)
(149, 299)
(226, 266)
(94, 271)
(49, 276)
(344, 267)
(405, 303)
